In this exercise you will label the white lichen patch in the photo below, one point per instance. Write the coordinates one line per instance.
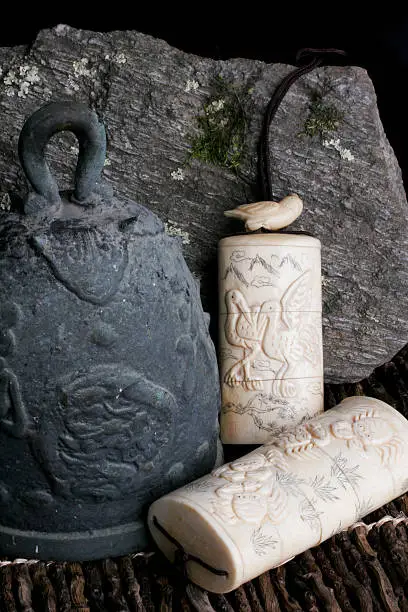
(5, 202)
(72, 85)
(177, 175)
(215, 106)
(214, 115)
(19, 80)
(334, 143)
(117, 58)
(173, 229)
(81, 68)
(191, 85)
(107, 162)
(120, 58)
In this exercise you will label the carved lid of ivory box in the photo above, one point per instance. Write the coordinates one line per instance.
(297, 490)
(284, 267)
(280, 239)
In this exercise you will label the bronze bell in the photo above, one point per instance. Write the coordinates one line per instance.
(109, 390)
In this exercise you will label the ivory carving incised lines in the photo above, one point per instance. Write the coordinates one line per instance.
(276, 330)
(255, 489)
(295, 491)
(364, 430)
(368, 430)
(259, 272)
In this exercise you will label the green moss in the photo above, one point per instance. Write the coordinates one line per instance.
(323, 118)
(222, 127)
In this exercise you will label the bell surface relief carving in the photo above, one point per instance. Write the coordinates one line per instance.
(85, 260)
(14, 419)
(109, 386)
(113, 424)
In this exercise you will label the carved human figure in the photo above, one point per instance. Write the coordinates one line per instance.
(14, 418)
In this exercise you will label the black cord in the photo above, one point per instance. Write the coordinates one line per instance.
(264, 161)
(182, 557)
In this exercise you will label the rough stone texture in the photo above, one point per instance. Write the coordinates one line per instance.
(356, 208)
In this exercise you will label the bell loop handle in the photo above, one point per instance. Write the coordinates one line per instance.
(57, 117)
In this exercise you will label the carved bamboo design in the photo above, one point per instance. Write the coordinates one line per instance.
(294, 492)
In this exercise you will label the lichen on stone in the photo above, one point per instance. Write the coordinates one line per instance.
(323, 117)
(117, 58)
(334, 143)
(5, 202)
(177, 175)
(191, 85)
(173, 229)
(120, 58)
(81, 69)
(222, 126)
(19, 80)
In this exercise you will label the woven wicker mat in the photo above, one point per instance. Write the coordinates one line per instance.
(363, 569)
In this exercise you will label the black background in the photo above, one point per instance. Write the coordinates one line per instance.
(376, 39)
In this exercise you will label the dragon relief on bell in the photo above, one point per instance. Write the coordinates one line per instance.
(112, 423)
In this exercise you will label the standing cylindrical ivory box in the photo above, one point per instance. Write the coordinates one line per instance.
(270, 342)
(297, 490)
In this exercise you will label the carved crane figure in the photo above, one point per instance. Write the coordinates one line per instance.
(270, 330)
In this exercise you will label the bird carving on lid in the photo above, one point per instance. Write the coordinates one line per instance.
(268, 215)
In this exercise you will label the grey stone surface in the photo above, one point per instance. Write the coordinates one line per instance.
(357, 207)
